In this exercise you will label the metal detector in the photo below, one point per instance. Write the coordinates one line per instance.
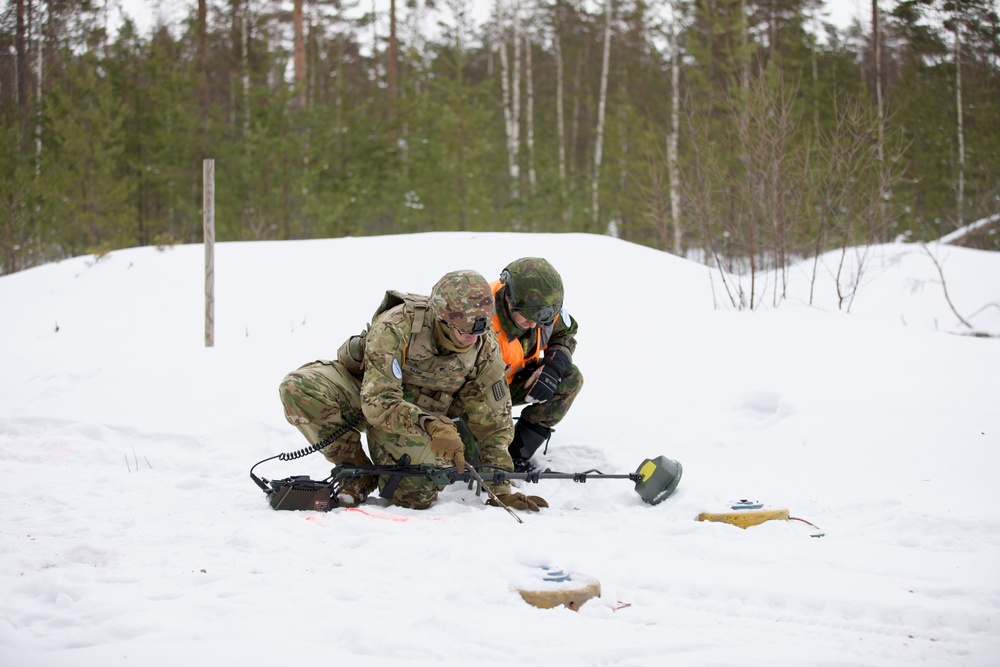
(655, 480)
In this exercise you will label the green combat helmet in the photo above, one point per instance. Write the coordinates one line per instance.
(534, 288)
(463, 300)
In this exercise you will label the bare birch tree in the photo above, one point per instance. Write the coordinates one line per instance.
(391, 66)
(877, 64)
(675, 97)
(560, 114)
(299, 55)
(529, 112)
(245, 66)
(960, 203)
(21, 54)
(510, 89)
(202, 32)
(38, 17)
(601, 106)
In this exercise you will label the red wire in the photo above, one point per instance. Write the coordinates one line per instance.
(795, 518)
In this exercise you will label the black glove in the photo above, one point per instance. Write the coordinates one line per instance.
(551, 374)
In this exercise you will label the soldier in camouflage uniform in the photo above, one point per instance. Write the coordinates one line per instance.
(423, 363)
(537, 340)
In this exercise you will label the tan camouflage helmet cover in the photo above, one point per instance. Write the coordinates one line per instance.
(463, 299)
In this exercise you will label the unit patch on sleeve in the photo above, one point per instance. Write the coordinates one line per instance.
(500, 389)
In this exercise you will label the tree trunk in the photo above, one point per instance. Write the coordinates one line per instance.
(675, 97)
(21, 57)
(38, 89)
(960, 204)
(560, 123)
(203, 59)
(510, 110)
(621, 226)
(299, 54)
(602, 104)
(529, 120)
(877, 64)
(744, 39)
(21, 97)
(462, 185)
(245, 65)
(574, 134)
(507, 116)
(391, 65)
(515, 100)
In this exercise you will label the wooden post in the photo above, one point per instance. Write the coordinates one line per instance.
(208, 169)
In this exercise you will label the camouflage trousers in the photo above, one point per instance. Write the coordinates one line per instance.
(552, 411)
(319, 400)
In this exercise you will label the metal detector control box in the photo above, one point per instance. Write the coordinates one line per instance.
(301, 493)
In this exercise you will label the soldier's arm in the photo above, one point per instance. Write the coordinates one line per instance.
(382, 398)
(486, 401)
(564, 333)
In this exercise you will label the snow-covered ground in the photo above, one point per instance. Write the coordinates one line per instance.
(131, 533)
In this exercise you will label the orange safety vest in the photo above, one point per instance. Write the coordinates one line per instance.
(513, 350)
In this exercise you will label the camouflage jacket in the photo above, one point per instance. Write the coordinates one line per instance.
(408, 378)
(531, 342)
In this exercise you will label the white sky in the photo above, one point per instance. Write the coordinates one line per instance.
(842, 12)
(131, 533)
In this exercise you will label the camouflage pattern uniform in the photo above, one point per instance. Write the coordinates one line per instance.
(559, 335)
(402, 372)
(532, 287)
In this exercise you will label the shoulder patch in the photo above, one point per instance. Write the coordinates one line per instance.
(396, 370)
(500, 389)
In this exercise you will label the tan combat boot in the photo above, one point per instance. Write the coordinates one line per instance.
(356, 490)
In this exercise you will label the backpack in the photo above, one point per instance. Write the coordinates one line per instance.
(352, 352)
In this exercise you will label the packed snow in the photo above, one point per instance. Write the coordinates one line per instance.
(132, 534)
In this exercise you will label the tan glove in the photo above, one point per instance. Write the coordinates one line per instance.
(445, 442)
(519, 501)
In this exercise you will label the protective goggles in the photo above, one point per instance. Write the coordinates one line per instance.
(478, 327)
(545, 315)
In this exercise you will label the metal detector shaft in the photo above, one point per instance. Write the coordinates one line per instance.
(451, 475)
(654, 480)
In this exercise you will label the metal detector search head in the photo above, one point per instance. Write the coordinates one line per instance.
(657, 479)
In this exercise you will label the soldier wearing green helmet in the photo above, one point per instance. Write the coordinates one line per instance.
(537, 340)
(422, 364)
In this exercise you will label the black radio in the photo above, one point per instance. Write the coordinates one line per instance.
(301, 493)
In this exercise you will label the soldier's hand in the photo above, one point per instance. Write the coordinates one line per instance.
(533, 378)
(549, 376)
(445, 442)
(544, 386)
(519, 501)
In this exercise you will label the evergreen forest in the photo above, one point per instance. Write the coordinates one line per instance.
(744, 133)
